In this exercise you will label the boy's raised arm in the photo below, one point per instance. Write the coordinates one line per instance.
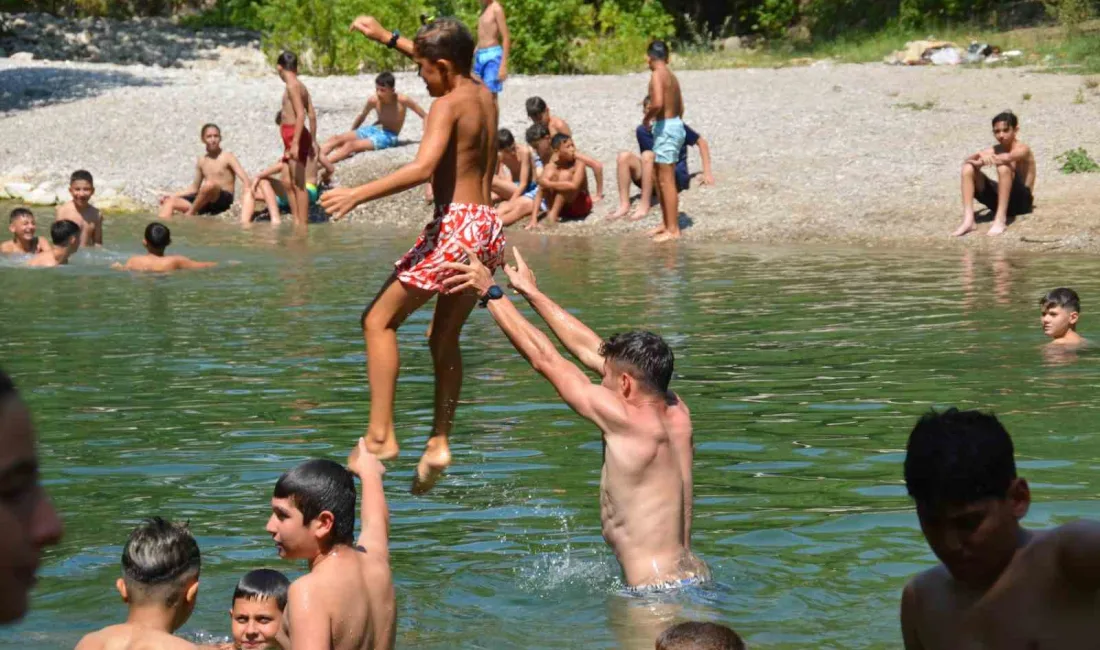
(374, 516)
(370, 27)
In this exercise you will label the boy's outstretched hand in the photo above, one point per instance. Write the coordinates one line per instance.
(339, 201)
(520, 277)
(368, 26)
(363, 463)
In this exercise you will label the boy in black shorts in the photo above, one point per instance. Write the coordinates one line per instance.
(1010, 194)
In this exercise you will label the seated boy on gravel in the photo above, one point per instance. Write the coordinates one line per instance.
(216, 173)
(539, 113)
(564, 184)
(1010, 195)
(539, 152)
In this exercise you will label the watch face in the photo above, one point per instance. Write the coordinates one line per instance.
(496, 292)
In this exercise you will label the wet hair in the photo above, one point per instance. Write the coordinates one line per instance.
(211, 125)
(81, 175)
(7, 386)
(537, 132)
(446, 39)
(19, 213)
(699, 636)
(1007, 117)
(536, 106)
(643, 352)
(319, 485)
(279, 117)
(263, 584)
(505, 139)
(158, 561)
(288, 61)
(658, 50)
(1061, 297)
(385, 80)
(62, 231)
(558, 140)
(158, 235)
(958, 457)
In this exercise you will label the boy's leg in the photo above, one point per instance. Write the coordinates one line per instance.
(248, 205)
(670, 209)
(628, 168)
(208, 193)
(297, 196)
(973, 180)
(380, 321)
(597, 171)
(451, 312)
(349, 149)
(646, 200)
(172, 205)
(269, 190)
(515, 210)
(503, 188)
(560, 199)
(1005, 176)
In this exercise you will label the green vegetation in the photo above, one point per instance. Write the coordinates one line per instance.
(1027, 97)
(914, 106)
(1077, 161)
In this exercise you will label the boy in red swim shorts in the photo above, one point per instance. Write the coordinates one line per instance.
(563, 184)
(458, 155)
(297, 141)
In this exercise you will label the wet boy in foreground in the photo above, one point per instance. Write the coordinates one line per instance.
(646, 483)
(458, 154)
(80, 209)
(257, 613)
(1010, 194)
(24, 240)
(1000, 586)
(346, 601)
(1061, 309)
(66, 242)
(157, 238)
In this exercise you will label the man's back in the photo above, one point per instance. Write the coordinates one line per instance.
(349, 589)
(465, 172)
(132, 637)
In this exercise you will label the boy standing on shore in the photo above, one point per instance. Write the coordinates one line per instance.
(80, 209)
(458, 154)
(1011, 194)
(494, 44)
(665, 114)
(297, 139)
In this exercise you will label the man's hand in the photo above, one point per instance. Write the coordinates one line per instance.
(339, 201)
(520, 277)
(368, 26)
(363, 463)
(988, 160)
(473, 275)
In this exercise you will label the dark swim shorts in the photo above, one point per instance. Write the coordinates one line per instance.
(1019, 199)
(217, 206)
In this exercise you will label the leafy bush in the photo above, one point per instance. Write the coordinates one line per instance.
(623, 34)
(1077, 161)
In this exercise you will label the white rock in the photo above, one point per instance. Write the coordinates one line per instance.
(18, 190)
(22, 57)
(39, 197)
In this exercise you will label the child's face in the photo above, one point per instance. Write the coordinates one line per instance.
(1004, 133)
(255, 623)
(567, 152)
(384, 93)
(510, 152)
(212, 138)
(1058, 321)
(433, 75)
(81, 191)
(293, 538)
(542, 145)
(23, 228)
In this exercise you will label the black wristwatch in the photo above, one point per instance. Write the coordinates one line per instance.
(494, 293)
(393, 39)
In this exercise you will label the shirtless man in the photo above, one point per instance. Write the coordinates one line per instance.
(216, 174)
(539, 113)
(665, 113)
(157, 238)
(392, 108)
(346, 601)
(80, 209)
(1011, 194)
(494, 44)
(24, 241)
(999, 585)
(65, 235)
(297, 139)
(646, 483)
(563, 185)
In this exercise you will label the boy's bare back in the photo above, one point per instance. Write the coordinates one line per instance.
(132, 637)
(466, 120)
(665, 81)
(89, 219)
(162, 263)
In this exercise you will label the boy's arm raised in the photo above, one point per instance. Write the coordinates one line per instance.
(374, 516)
(370, 27)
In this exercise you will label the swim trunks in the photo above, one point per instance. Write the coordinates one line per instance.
(475, 226)
(661, 587)
(379, 137)
(532, 190)
(580, 208)
(1020, 199)
(305, 143)
(217, 206)
(487, 66)
(668, 138)
(691, 139)
(314, 194)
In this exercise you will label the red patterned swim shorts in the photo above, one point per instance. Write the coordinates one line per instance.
(475, 226)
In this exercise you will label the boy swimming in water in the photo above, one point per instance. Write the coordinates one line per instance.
(297, 139)
(999, 585)
(1010, 195)
(1061, 309)
(257, 613)
(392, 108)
(157, 238)
(458, 155)
(539, 113)
(80, 209)
(699, 636)
(66, 242)
(347, 598)
(216, 174)
(665, 113)
(494, 44)
(563, 184)
(159, 584)
(24, 240)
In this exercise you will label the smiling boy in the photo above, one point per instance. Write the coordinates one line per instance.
(24, 238)
(216, 174)
(80, 209)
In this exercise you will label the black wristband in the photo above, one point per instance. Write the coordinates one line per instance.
(493, 293)
(393, 39)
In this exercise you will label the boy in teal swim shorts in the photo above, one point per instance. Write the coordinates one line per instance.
(493, 46)
(665, 113)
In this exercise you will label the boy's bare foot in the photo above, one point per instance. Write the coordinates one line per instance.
(641, 212)
(964, 229)
(665, 236)
(619, 213)
(435, 460)
(653, 232)
(997, 229)
(386, 449)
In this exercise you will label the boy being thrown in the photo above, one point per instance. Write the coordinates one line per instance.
(458, 154)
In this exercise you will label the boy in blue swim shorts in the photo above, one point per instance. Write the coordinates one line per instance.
(391, 107)
(665, 113)
(493, 46)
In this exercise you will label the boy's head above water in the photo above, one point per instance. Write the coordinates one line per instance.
(537, 110)
(699, 636)
(637, 362)
(1005, 127)
(21, 224)
(160, 569)
(257, 613)
(312, 509)
(960, 471)
(1061, 309)
(65, 233)
(157, 237)
(81, 186)
(444, 51)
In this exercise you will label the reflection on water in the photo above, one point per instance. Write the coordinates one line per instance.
(188, 395)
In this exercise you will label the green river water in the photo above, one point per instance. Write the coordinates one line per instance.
(805, 368)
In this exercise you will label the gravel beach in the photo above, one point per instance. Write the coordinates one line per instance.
(865, 154)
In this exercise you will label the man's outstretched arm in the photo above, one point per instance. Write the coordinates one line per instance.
(370, 27)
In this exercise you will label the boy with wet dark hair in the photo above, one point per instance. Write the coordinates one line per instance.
(297, 139)
(699, 636)
(257, 612)
(157, 238)
(65, 236)
(999, 585)
(563, 185)
(1061, 309)
(1010, 195)
(216, 174)
(347, 598)
(80, 209)
(458, 154)
(646, 483)
(539, 113)
(24, 238)
(665, 118)
(159, 584)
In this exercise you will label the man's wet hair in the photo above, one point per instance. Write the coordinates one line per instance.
(7, 386)
(385, 80)
(1061, 297)
(288, 61)
(209, 125)
(658, 50)
(536, 106)
(646, 354)
(446, 39)
(158, 236)
(1007, 117)
(958, 457)
(263, 584)
(158, 562)
(19, 213)
(81, 175)
(319, 485)
(62, 231)
(537, 132)
(505, 139)
(693, 635)
(558, 140)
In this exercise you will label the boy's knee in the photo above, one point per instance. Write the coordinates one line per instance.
(967, 169)
(649, 157)
(624, 157)
(1004, 171)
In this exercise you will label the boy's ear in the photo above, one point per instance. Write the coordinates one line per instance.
(120, 584)
(1019, 493)
(323, 523)
(192, 593)
(1073, 316)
